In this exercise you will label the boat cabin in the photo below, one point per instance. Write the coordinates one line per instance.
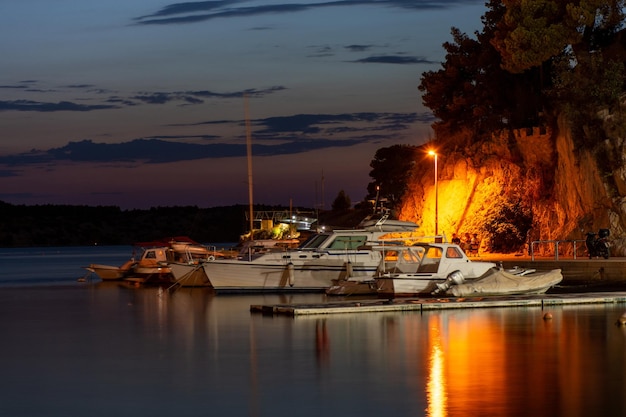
(420, 258)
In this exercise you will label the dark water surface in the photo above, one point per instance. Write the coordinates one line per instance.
(73, 348)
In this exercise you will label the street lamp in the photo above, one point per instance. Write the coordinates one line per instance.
(433, 153)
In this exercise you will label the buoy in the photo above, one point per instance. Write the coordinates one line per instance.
(547, 316)
(622, 320)
(291, 273)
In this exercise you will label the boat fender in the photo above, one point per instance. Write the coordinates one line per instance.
(290, 272)
(348, 269)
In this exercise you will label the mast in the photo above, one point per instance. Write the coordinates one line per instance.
(249, 155)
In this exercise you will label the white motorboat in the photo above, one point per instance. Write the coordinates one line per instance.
(444, 268)
(190, 272)
(313, 266)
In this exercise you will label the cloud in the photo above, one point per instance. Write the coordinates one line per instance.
(195, 97)
(192, 12)
(5, 173)
(160, 151)
(394, 59)
(358, 48)
(134, 99)
(30, 105)
(274, 136)
(316, 123)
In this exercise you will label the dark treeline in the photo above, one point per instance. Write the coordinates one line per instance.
(66, 225)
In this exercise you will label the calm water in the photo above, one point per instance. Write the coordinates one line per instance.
(70, 348)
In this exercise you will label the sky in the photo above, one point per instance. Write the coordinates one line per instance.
(150, 103)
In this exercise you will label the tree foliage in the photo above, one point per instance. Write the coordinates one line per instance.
(341, 202)
(472, 89)
(530, 61)
(66, 225)
(508, 224)
(533, 32)
(391, 171)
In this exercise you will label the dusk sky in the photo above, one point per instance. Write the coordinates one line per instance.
(140, 104)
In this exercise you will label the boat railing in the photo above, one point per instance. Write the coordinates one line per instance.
(424, 239)
(557, 246)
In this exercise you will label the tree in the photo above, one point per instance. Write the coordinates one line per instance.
(473, 91)
(508, 224)
(391, 171)
(533, 32)
(341, 202)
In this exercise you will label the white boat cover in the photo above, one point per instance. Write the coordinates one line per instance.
(501, 282)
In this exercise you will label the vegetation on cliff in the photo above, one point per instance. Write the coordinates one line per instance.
(529, 128)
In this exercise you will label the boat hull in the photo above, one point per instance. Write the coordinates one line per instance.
(504, 283)
(301, 271)
(189, 275)
(107, 272)
(407, 285)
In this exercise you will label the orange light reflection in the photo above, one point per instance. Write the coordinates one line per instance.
(437, 395)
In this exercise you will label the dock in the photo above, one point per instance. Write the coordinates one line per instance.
(586, 281)
(429, 304)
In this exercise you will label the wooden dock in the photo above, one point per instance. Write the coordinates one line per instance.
(577, 270)
(429, 304)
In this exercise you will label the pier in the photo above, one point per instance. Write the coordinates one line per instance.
(575, 271)
(428, 304)
(585, 281)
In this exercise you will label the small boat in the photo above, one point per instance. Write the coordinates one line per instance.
(152, 266)
(108, 272)
(502, 282)
(444, 268)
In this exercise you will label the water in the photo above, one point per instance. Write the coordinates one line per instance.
(74, 348)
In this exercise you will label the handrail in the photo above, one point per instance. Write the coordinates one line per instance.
(556, 246)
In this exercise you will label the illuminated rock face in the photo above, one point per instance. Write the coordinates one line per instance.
(561, 187)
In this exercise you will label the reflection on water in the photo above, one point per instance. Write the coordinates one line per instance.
(107, 349)
(436, 382)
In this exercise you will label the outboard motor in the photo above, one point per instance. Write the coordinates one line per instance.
(453, 278)
(598, 244)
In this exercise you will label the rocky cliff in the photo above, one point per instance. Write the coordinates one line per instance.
(523, 186)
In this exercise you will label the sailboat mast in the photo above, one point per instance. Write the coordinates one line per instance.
(249, 154)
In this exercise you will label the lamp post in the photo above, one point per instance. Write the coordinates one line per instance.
(433, 153)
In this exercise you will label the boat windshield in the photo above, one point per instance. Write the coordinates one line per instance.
(314, 241)
(348, 242)
(332, 241)
(430, 260)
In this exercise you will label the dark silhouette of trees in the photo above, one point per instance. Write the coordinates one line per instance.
(531, 60)
(392, 168)
(65, 225)
(473, 92)
(341, 202)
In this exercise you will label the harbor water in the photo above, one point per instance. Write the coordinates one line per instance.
(90, 348)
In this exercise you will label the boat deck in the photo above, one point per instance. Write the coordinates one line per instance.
(426, 304)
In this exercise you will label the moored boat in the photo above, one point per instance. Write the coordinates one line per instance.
(153, 264)
(324, 257)
(444, 269)
(502, 282)
(109, 272)
(191, 273)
